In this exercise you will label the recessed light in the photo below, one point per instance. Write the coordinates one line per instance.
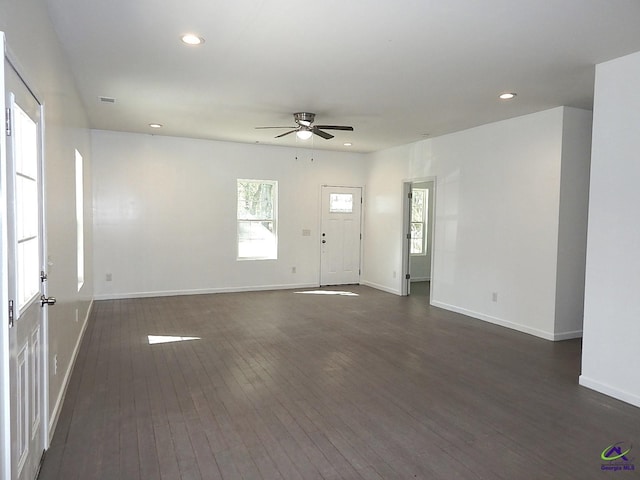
(155, 125)
(507, 96)
(348, 144)
(191, 39)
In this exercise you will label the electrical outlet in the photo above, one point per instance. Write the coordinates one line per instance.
(494, 296)
(293, 269)
(109, 277)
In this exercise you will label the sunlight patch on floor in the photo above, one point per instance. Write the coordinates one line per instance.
(330, 292)
(154, 339)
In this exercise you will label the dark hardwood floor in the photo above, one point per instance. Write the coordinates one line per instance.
(284, 385)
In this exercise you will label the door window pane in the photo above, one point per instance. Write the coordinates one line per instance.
(340, 203)
(419, 208)
(417, 237)
(27, 207)
(28, 271)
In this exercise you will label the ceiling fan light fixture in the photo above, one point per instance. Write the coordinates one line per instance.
(304, 134)
(305, 128)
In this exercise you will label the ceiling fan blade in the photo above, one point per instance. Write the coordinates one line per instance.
(286, 133)
(286, 126)
(322, 134)
(335, 127)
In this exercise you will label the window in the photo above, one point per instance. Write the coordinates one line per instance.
(419, 212)
(27, 208)
(340, 203)
(257, 216)
(79, 219)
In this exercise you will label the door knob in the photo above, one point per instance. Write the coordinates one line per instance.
(324, 241)
(47, 300)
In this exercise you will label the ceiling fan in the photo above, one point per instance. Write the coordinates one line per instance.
(305, 128)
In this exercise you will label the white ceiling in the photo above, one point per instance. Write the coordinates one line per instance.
(396, 70)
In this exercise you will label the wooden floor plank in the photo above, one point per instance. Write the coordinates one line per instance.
(287, 386)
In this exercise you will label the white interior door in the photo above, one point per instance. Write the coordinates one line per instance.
(340, 235)
(25, 251)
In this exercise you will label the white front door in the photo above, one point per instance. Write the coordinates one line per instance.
(25, 251)
(340, 235)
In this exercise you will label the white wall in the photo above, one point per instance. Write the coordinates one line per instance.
(611, 346)
(165, 213)
(33, 44)
(496, 220)
(573, 215)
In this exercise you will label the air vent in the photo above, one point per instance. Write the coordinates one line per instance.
(107, 99)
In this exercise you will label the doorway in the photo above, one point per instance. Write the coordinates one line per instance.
(418, 225)
(340, 235)
(24, 278)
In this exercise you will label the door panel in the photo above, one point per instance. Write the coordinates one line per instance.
(21, 417)
(35, 372)
(340, 235)
(25, 253)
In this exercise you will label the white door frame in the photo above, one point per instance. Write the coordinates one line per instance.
(5, 411)
(5, 394)
(406, 230)
(362, 193)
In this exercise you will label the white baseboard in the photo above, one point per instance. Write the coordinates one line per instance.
(55, 413)
(557, 337)
(202, 291)
(614, 392)
(380, 287)
(509, 324)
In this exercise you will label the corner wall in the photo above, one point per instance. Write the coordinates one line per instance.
(497, 216)
(572, 222)
(611, 352)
